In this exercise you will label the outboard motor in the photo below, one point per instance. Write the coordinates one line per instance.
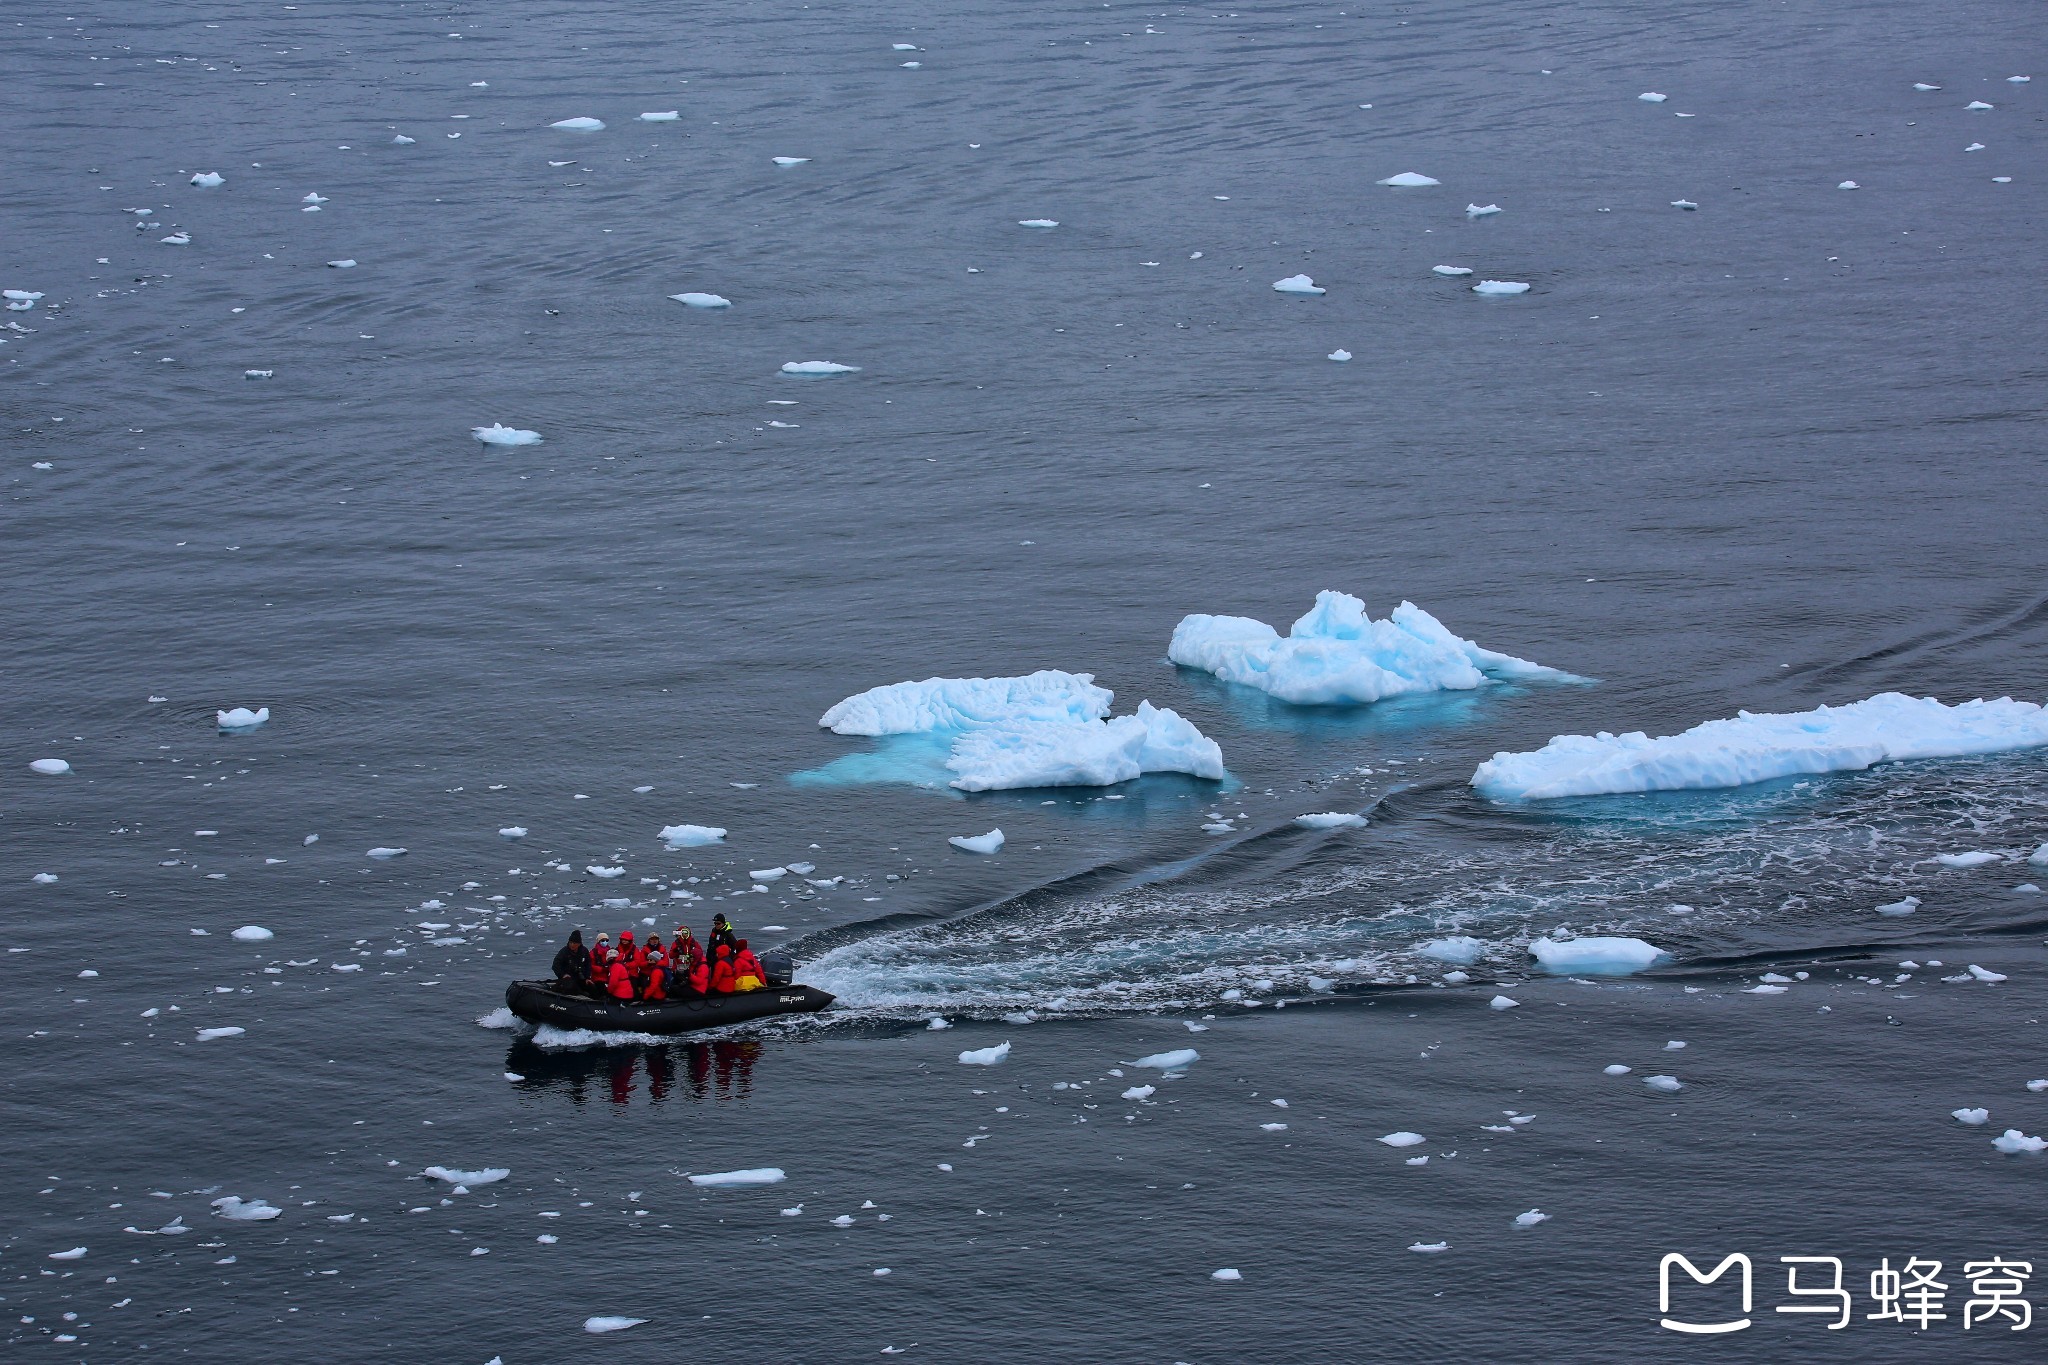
(781, 968)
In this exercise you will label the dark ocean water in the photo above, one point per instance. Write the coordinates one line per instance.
(1778, 451)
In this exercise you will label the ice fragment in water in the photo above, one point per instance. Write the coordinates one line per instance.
(1225, 1275)
(50, 767)
(691, 836)
(1140, 1092)
(1499, 288)
(2013, 1142)
(1617, 1069)
(1460, 949)
(1296, 284)
(401, 140)
(1501, 1002)
(1531, 1218)
(1429, 1248)
(1965, 859)
(987, 1056)
(1596, 956)
(789, 160)
(1409, 180)
(346, 263)
(489, 1175)
(1754, 747)
(1985, 974)
(757, 1175)
(979, 843)
(514, 832)
(497, 434)
(1898, 908)
(241, 718)
(817, 368)
(1403, 1139)
(385, 854)
(1169, 1061)
(1976, 1118)
(696, 300)
(77, 1252)
(1686, 204)
(207, 1035)
(1451, 272)
(44, 878)
(1978, 104)
(579, 125)
(662, 116)
(1848, 185)
(1481, 210)
(244, 1210)
(1652, 97)
(253, 933)
(1668, 1084)
(1038, 222)
(1339, 354)
(610, 1324)
(209, 180)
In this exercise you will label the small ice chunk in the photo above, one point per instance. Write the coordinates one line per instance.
(1141, 1092)
(1596, 956)
(979, 843)
(1686, 204)
(789, 160)
(1175, 1060)
(1923, 86)
(1451, 272)
(1330, 820)
(1668, 1084)
(77, 1252)
(50, 767)
(607, 873)
(2014, 1142)
(938, 1021)
(258, 374)
(579, 125)
(1502, 1002)
(1409, 180)
(1456, 978)
(1531, 1218)
(512, 832)
(1972, 859)
(1481, 210)
(1985, 973)
(346, 263)
(1429, 1248)
(253, 933)
(1297, 284)
(1339, 354)
(1978, 104)
(44, 878)
(1499, 288)
(497, 434)
(1403, 1139)
(691, 836)
(401, 140)
(209, 180)
(758, 1175)
(385, 854)
(207, 1035)
(1848, 185)
(1223, 1276)
(697, 300)
(662, 116)
(1652, 97)
(769, 874)
(489, 1175)
(1460, 949)
(245, 1210)
(241, 718)
(1617, 1069)
(1976, 1118)
(987, 1056)
(610, 1324)
(177, 239)
(1273, 1127)
(1041, 223)
(1897, 908)
(818, 368)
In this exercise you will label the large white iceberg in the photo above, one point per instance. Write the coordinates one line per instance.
(1337, 654)
(1756, 748)
(1047, 729)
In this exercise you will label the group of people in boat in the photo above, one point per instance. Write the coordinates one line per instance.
(651, 971)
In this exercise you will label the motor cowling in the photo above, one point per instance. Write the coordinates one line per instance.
(780, 967)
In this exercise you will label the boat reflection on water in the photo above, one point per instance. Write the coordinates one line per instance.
(719, 1070)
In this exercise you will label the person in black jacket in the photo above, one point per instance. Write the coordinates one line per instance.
(572, 964)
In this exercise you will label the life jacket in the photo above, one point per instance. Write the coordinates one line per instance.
(621, 982)
(601, 963)
(657, 983)
(700, 977)
(721, 971)
(747, 974)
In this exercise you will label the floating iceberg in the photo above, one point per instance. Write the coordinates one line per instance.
(1685, 204)
(207, 1035)
(758, 1175)
(1177, 1060)
(347, 263)
(241, 718)
(1531, 1218)
(1038, 222)
(1336, 654)
(1403, 1139)
(401, 140)
(1048, 729)
(1596, 956)
(209, 180)
(1670, 1085)
(1975, 859)
(690, 836)
(1979, 104)
(1335, 819)
(2013, 1142)
(696, 300)
(1297, 284)
(1451, 272)
(1481, 210)
(489, 1175)
(1652, 97)
(50, 767)
(1899, 909)
(610, 1324)
(987, 1056)
(1459, 949)
(815, 368)
(514, 832)
(1848, 185)
(1758, 747)
(979, 843)
(1409, 180)
(177, 239)
(244, 1210)
(789, 160)
(662, 116)
(1499, 288)
(579, 125)
(1339, 354)
(497, 434)
(383, 854)
(20, 300)
(253, 933)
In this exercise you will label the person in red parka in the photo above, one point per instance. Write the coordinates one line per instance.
(747, 972)
(721, 969)
(620, 983)
(684, 951)
(699, 975)
(601, 963)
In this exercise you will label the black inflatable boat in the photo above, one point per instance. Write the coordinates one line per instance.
(539, 1002)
